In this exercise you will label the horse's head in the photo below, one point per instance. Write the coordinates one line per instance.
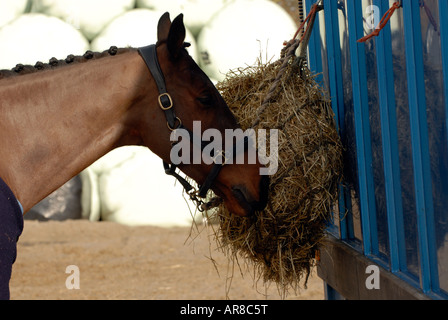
(194, 99)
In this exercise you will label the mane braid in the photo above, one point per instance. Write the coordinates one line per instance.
(54, 63)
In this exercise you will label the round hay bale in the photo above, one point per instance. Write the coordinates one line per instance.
(281, 241)
(135, 28)
(246, 26)
(34, 36)
(10, 10)
(196, 12)
(127, 196)
(88, 16)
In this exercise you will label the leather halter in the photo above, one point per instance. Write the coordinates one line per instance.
(149, 55)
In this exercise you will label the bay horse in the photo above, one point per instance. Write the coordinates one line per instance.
(58, 118)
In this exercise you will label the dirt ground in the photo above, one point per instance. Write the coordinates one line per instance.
(122, 262)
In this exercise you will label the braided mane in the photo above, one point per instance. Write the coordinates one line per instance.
(54, 63)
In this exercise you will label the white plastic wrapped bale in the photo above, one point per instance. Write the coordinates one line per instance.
(90, 198)
(241, 32)
(11, 9)
(37, 37)
(197, 12)
(87, 15)
(134, 190)
(135, 28)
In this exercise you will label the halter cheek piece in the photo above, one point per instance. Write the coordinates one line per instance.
(149, 55)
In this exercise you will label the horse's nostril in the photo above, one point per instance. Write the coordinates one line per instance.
(240, 193)
(248, 201)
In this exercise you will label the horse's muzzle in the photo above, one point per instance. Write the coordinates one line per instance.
(247, 201)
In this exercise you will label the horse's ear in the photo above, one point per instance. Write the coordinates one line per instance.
(176, 36)
(163, 28)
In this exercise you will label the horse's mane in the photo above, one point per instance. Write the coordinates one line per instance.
(54, 63)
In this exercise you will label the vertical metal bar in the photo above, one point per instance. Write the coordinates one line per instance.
(334, 60)
(336, 86)
(314, 47)
(443, 12)
(420, 150)
(315, 62)
(362, 127)
(390, 145)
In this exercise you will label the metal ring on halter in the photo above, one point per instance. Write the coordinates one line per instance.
(223, 154)
(170, 101)
(172, 129)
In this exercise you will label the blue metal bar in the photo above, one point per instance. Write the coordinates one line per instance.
(314, 47)
(336, 87)
(334, 61)
(390, 145)
(362, 127)
(443, 12)
(420, 151)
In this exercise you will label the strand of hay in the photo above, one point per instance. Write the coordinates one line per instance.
(281, 241)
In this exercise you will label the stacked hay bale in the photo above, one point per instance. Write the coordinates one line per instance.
(263, 30)
(90, 17)
(281, 241)
(10, 10)
(36, 37)
(126, 193)
(135, 28)
(196, 12)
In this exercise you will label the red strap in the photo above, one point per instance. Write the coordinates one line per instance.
(383, 22)
(314, 9)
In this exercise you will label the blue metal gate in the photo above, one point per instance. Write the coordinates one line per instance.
(389, 97)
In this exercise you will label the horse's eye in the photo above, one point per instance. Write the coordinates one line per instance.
(206, 100)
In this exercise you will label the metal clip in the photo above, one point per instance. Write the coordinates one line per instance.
(194, 197)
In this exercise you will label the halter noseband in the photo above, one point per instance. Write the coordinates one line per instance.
(149, 55)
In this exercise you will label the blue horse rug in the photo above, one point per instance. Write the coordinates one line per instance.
(11, 227)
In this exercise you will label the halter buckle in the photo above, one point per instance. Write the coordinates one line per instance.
(165, 101)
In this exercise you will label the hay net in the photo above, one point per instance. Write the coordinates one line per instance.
(280, 242)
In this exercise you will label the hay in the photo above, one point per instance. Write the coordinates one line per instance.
(281, 241)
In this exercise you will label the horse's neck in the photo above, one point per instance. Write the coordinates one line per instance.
(53, 124)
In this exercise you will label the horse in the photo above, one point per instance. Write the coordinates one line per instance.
(58, 118)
